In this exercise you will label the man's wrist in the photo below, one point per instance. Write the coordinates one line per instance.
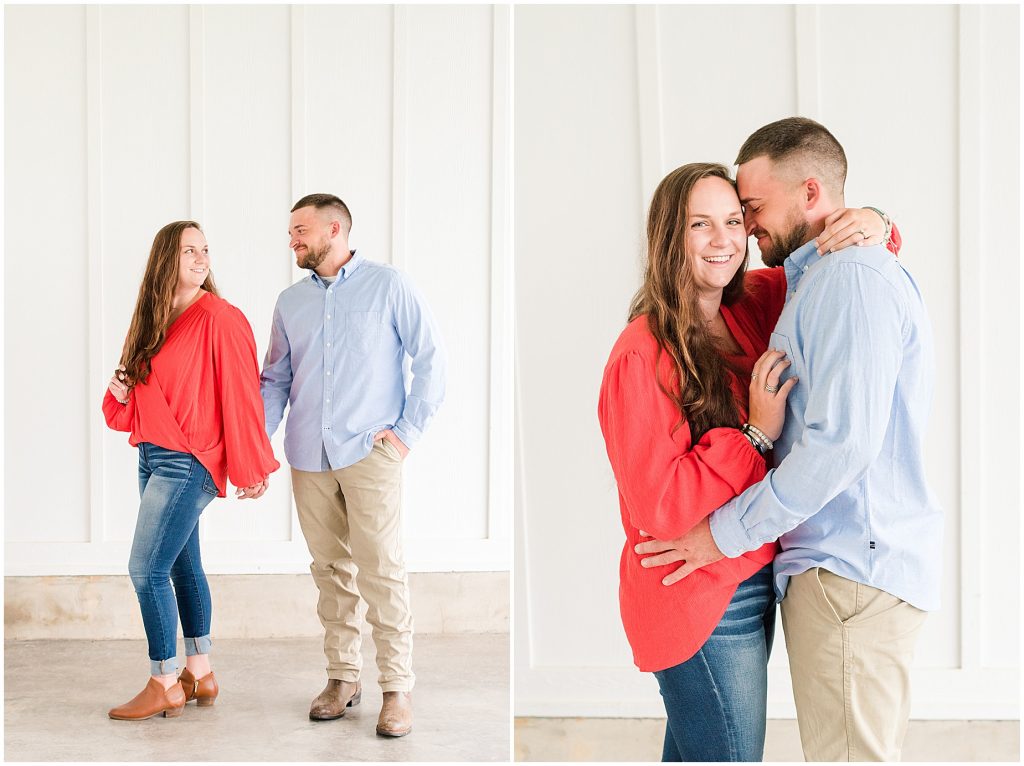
(727, 531)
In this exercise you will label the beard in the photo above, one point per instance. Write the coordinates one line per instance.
(313, 256)
(784, 244)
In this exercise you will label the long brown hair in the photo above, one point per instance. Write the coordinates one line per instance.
(668, 297)
(155, 304)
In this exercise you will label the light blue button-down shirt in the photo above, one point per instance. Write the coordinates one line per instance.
(849, 491)
(336, 356)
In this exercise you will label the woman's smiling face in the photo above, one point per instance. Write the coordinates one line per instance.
(716, 239)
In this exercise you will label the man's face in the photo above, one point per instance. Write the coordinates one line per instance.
(771, 211)
(309, 235)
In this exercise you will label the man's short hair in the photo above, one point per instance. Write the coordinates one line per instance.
(803, 143)
(327, 201)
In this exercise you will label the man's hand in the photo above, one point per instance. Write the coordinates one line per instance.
(253, 492)
(389, 435)
(695, 549)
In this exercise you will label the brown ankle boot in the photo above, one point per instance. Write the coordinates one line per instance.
(203, 690)
(151, 701)
(332, 702)
(395, 715)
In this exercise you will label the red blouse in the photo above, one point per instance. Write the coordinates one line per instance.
(667, 484)
(203, 396)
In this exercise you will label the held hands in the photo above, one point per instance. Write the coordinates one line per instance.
(118, 385)
(387, 435)
(253, 492)
(767, 397)
(695, 549)
(851, 226)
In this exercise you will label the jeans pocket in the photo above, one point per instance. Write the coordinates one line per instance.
(208, 486)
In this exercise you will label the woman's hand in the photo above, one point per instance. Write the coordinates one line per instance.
(118, 385)
(253, 492)
(767, 397)
(851, 226)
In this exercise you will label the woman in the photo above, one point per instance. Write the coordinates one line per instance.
(187, 389)
(674, 399)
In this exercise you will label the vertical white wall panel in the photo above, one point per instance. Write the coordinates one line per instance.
(606, 105)
(997, 256)
(577, 254)
(148, 114)
(45, 260)
(443, 69)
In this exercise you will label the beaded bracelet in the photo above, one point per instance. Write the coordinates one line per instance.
(885, 220)
(757, 437)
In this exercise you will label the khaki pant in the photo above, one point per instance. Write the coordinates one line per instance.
(351, 521)
(850, 649)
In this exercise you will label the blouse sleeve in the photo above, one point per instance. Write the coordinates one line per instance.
(250, 457)
(895, 241)
(118, 416)
(667, 483)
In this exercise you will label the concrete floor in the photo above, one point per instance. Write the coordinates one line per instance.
(57, 693)
(640, 739)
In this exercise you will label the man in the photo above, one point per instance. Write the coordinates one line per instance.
(337, 346)
(859, 531)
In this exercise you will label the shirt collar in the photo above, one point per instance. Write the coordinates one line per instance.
(346, 271)
(799, 261)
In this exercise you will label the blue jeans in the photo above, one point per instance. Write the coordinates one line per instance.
(717, 700)
(175, 488)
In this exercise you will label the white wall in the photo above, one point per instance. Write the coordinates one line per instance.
(925, 100)
(120, 119)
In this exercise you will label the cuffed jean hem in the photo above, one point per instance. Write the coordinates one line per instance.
(163, 667)
(197, 645)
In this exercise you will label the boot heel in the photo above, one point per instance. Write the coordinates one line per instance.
(174, 712)
(204, 701)
(356, 699)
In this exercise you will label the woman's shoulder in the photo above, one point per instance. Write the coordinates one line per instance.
(635, 338)
(220, 310)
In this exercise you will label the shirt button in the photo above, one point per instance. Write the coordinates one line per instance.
(328, 372)
(328, 344)
(328, 400)
(328, 316)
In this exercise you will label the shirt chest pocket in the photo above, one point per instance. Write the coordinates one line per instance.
(782, 343)
(361, 332)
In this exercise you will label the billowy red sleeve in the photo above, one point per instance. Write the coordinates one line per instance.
(250, 458)
(895, 241)
(667, 483)
(119, 416)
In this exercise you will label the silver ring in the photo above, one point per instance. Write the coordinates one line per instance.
(863, 236)
(771, 389)
(753, 375)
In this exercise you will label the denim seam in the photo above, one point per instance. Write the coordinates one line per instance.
(721, 707)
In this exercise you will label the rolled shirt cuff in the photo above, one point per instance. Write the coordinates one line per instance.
(728, 531)
(407, 432)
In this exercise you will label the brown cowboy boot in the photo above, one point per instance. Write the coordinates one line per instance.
(151, 701)
(395, 715)
(334, 699)
(203, 690)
